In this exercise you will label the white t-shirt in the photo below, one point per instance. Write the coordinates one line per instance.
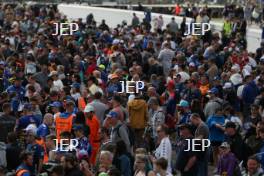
(240, 91)
(57, 85)
(164, 151)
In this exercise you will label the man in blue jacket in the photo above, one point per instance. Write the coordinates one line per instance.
(250, 92)
(27, 119)
(19, 92)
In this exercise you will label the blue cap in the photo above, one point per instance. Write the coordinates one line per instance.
(217, 78)
(213, 90)
(76, 85)
(55, 104)
(112, 114)
(183, 103)
(2, 62)
(78, 127)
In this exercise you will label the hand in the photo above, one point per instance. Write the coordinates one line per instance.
(218, 125)
(152, 158)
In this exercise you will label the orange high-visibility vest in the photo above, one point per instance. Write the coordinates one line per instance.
(41, 142)
(63, 124)
(81, 104)
(21, 172)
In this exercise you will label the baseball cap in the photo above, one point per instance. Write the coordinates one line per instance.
(70, 102)
(78, 127)
(76, 85)
(88, 108)
(236, 79)
(2, 62)
(227, 85)
(32, 129)
(192, 64)
(112, 114)
(225, 145)
(55, 104)
(213, 90)
(217, 78)
(102, 66)
(183, 103)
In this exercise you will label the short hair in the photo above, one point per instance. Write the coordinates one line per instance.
(162, 162)
(108, 154)
(31, 88)
(24, 155)
(11, 137)
(195, 115)
(58, 169)
(254, 157)
(117, 98)
(105, 130)
(65, 134)
(97, 95)
(5, 106)
(72, 159)
(164, 128)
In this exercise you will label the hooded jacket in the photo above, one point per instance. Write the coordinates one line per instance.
(138, 113)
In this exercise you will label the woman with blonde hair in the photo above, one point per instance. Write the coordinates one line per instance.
(141, 166)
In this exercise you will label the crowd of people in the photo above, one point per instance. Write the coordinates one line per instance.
(67, 108)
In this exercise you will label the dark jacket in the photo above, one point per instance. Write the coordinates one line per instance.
(249, 93)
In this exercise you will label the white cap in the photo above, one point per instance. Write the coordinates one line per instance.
(31, 128)
(192, 64)
(227, 85)
(236, 79)
(236, 68)
(88, 108)
(245, 73)
(248, 68)
(116, 41)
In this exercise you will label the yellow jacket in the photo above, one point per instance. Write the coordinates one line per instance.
(138, 113)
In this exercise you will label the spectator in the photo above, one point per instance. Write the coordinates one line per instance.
(119, 130)
(228, 163)
(138, 118)
(164, 148)
(122, 159)
(12, 151)
(186, 159)
(7, 122)
(161, 166)
(253, 167)
(216, 131)
(94, 125)
(27, 162)
(70, 165)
